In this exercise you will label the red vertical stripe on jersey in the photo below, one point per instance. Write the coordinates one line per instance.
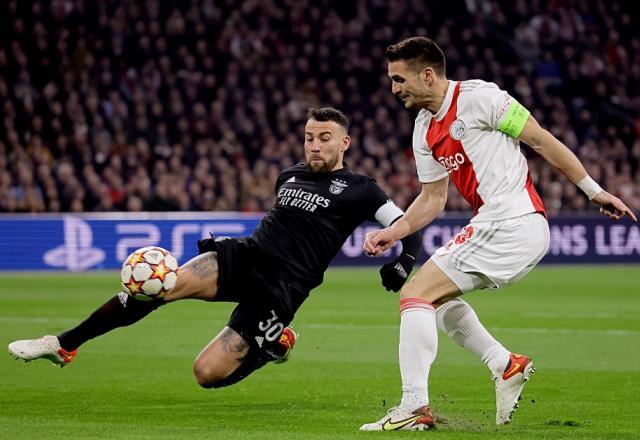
(450, 153)
(533, 195)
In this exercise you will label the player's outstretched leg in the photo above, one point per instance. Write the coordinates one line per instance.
(119, 311)
(509, 386)
(198, 278)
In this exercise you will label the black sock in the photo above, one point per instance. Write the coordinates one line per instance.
(119, 311)
(253, 361)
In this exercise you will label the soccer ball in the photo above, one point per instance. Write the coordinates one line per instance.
(148, 272)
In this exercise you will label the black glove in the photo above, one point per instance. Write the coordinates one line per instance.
(206, 245)
(395, 274)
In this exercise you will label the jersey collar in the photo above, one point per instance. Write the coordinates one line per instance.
(345, 168)
(448, 97)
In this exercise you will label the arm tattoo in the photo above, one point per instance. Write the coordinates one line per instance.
(234, 343)
(203, 266)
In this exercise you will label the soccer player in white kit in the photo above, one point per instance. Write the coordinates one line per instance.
(468, 132)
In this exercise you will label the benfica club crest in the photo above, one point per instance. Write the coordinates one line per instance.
(337, 186)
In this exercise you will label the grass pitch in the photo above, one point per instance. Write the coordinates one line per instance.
(580, 324)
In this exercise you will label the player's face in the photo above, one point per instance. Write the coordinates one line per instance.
(324, 145)
(408, 84)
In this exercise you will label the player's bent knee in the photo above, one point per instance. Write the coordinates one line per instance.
(411, 290)
(207, 375)
(221, 374)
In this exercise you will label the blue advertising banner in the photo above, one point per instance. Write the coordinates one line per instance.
(93, 241)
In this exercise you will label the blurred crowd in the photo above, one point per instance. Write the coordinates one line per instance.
(197, 105)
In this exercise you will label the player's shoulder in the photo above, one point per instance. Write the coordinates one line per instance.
(355, 178)
(299, 168)
(421, 124)
(478, 88)
(361, 185)
(477, 96)
(360, 189)
(472, 85)
(423, 117)
(290, 173)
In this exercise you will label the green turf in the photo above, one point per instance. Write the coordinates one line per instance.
(581, 325)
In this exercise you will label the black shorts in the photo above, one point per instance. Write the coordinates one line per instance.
(267, 301)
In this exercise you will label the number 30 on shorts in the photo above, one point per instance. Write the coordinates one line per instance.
(271, 328)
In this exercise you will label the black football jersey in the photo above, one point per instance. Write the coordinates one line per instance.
(313, 215)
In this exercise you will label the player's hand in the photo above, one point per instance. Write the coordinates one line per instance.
(378, 242)
(613, 207)
(395, 273)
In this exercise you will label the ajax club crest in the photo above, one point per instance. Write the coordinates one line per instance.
(457, 129)
(337, 186)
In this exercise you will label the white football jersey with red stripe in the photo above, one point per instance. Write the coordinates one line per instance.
(462, 140)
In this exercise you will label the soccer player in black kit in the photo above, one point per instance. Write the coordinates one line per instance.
(270, 274)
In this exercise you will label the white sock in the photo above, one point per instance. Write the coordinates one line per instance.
(417, 350)
(460, 322)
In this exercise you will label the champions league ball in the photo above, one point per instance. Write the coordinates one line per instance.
(148, 272)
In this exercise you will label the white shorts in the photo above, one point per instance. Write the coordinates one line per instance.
(490, 255)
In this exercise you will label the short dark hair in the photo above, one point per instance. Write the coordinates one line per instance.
(329, 114)
(421, 50)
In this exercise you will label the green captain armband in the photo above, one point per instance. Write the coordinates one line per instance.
(514, 120)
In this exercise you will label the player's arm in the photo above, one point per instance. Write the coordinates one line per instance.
(563, 160)
(395, 273)
(498, 110)
(429, 203)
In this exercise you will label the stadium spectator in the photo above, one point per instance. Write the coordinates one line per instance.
(100, 100)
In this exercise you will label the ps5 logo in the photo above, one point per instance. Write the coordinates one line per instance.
(118, 239)
(76, 254)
